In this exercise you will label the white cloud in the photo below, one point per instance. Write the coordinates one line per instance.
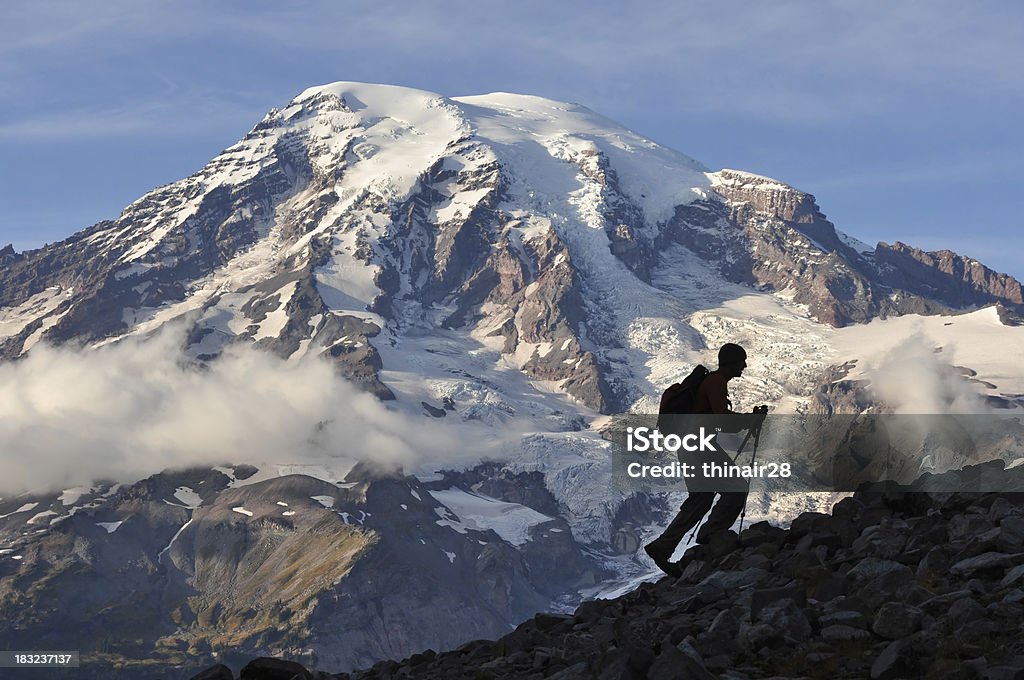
(129, 410)
(913, 379)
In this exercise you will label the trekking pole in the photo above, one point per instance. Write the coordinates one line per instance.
(743, 444)
(753, 456)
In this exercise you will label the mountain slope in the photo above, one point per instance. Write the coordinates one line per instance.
(897, 582)
(193, 564)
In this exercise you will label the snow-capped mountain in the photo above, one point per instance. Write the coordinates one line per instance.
(538, 234)
(490, 259)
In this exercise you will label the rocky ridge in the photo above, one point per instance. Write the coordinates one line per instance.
(761, 232)
(897, 582)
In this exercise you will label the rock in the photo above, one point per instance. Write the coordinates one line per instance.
(977, 668)
(844, 618)
(422, 657)
(578, 671)
(547, 622)
(267, 668)
(810, 522)
(825, 585)
(977, 586)
(1015, 672)
(753, 637)
(896, 620)
(1002, 507)
(692, 570)
(787, 619)
(734, 580)
(886, 542)
(1011, 533)
(673, 664)
(1014, 596)
(244, 471)
(720, 544)
(963, 527)
(988, 563)
(934, 565)
(433, 411)
(964, 611)
(725, 623)
(891, 663)
(841, 633)
(940, 603)
(687, 648)
(762, 533)
(879, 580)
(766, 597)
(719, 663)
(916, 594)
(216, 672)
(982, 543)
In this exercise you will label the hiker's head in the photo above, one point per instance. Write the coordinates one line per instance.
(732, 359)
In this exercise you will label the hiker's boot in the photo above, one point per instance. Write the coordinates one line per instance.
(662, 560)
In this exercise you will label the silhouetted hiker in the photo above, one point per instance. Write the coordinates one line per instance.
(712, 398)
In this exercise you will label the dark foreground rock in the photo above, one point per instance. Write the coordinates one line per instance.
(895, 583)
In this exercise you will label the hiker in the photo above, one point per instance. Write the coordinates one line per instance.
(712, 397)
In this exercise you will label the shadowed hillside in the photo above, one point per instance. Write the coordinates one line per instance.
(899, 581)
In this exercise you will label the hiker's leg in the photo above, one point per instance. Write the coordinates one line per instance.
(725, 512)
(691, 511)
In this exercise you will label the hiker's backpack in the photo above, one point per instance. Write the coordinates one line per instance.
(681, 397)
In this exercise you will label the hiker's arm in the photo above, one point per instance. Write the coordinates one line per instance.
(732, 422)
(737, 422)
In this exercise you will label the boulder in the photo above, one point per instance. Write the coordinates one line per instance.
(989, 564)
(673, 663)
(216, 672)
(268, 668)
(896, 620)
(877, 580)
(893, 663)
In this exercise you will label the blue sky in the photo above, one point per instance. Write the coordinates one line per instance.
(902, 118)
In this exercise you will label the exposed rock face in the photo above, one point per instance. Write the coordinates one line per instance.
(835, 394)
(116, 265)
(497, 481)
(896, 582)
(347, 342)
(7, 255)
(550, 317)
(959, 280)
(476, 580)
(769, 234)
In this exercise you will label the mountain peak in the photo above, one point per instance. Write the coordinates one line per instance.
(543, 235)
